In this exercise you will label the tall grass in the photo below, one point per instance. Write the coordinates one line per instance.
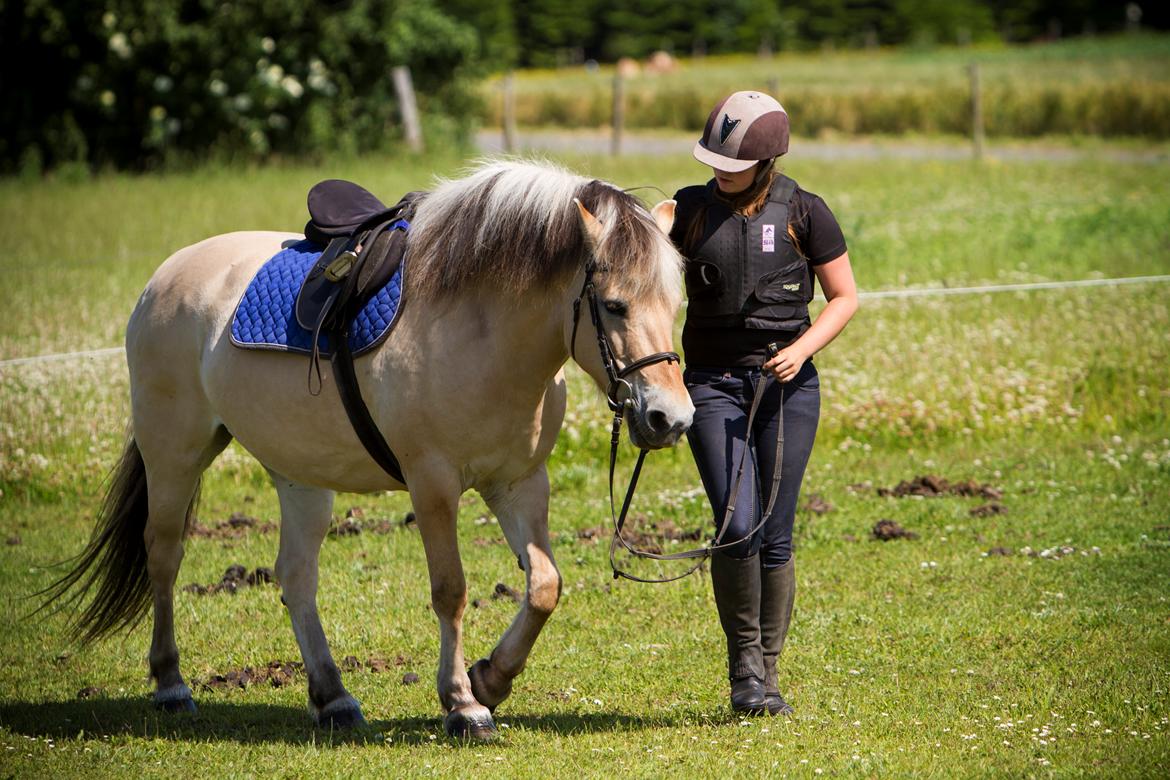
(1111, 87)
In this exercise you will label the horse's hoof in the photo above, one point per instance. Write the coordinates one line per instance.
(470, 727)
(341, 714)
(479, 685)
(174, 699)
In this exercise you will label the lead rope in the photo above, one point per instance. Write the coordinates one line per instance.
(701, 553)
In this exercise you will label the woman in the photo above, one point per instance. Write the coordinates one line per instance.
(752, 240)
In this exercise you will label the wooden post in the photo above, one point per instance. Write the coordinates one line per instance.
(407, 107)
(509, 118)
(619, 111)
(976, 111)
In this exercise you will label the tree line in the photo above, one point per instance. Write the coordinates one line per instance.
(138, 83)
(545, 33)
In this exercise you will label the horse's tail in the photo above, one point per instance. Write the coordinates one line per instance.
(114, 560)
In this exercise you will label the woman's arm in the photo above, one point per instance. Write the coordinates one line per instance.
(836, 278)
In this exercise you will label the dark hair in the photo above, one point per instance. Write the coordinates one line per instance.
(747, 203)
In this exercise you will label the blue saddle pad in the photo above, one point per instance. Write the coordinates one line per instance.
(266, 317)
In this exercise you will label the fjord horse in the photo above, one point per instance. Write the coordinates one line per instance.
(469, 392)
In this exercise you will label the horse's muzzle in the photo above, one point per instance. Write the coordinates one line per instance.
(657, 425)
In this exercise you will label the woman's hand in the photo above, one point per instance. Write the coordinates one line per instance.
(787, 363)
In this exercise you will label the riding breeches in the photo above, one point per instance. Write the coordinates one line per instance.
(718, 436)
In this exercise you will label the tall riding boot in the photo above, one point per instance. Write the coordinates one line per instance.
(737, 596)
(777, 592)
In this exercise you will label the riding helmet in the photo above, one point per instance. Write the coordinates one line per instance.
(744, 128)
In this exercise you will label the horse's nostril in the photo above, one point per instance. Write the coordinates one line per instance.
(658, 421)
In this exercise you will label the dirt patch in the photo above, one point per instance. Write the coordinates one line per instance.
(233, 579)
(501, 591)
(410, 678)
(817, 504)
(643, 533)
(235, 527)
(886, 530)
(91, 692)
(931, 486)
(276, 674)
(355, 523)
(13, 540)
(999, 551)
(375, 664)
(988, 510)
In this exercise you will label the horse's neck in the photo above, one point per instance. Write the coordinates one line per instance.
(509, 339)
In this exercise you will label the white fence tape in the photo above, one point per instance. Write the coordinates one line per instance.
(920, 292)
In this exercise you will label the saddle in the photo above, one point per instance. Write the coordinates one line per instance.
(364, 242)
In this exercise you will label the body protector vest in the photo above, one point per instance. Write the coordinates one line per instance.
(744, 272)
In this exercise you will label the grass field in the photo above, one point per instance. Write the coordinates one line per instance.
(1114, 86)
(934, 656)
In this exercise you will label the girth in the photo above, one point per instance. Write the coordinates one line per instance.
(365, 242)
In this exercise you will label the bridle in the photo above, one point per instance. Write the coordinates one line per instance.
(619, 404)
(617, 376)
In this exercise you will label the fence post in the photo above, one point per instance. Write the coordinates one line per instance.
(976, 111)
(619, 110)
(509, 118)
(407, 106)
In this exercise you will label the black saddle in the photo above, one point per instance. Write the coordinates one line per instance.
(364, 242)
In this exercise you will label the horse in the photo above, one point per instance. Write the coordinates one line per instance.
(497, 264)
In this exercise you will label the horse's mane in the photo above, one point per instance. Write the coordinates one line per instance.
(513, 225)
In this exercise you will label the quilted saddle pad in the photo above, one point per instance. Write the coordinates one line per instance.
(266, 319)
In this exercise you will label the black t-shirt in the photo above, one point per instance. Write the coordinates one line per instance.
(819, 238)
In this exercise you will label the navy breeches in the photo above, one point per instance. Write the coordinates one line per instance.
(718, 435)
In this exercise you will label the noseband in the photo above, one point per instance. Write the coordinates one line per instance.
(617, 376)
(619, 405)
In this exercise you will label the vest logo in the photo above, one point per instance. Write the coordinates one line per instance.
(792, 287)
(727, 129)
(769, 239)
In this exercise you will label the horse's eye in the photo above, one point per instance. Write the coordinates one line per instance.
(616, 307)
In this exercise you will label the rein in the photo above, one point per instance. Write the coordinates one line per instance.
(619, 405)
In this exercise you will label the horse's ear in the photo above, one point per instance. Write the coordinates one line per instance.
(589, 223)
(663, 215)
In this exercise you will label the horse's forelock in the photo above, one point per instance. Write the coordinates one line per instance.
(514, 225)
(633, 245)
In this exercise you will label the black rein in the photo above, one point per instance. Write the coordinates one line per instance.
(617, 379)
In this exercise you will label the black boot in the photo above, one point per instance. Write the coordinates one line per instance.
(777, 592)
(736, 584)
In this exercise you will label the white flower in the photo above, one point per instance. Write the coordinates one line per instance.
(268, 45)
(120, 45)
(292, 86)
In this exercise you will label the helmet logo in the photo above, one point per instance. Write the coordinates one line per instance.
(727, 129)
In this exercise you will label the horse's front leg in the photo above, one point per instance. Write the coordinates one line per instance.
(305, 514)
(522, 509)
(435, 495)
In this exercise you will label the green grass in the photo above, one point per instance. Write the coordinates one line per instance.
(1112, 86)
(924, 657)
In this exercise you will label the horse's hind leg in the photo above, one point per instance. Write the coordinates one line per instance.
(305, 514)
(435, 495)
(522, 509)
(177, 444)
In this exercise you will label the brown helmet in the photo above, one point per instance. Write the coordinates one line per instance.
(744, 128)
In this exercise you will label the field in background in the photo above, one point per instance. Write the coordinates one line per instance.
(1024, 639)
(1110, 86)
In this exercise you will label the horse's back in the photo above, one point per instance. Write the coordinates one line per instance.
(195, 290)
